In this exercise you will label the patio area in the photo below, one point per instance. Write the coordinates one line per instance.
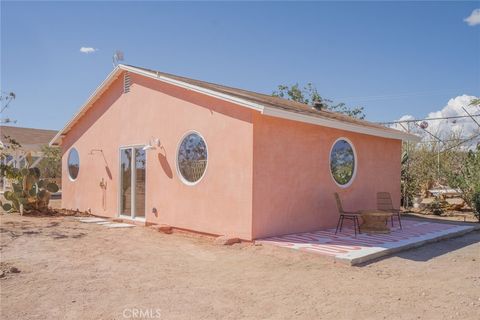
(346, 248)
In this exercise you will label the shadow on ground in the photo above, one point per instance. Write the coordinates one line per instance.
(433, 250)
(440, 248)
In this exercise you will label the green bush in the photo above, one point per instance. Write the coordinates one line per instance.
(476, 205)
(437, 207)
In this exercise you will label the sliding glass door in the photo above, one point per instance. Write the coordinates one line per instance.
(132, 182)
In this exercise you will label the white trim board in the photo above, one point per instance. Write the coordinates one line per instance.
(266, 110)
(335, 124)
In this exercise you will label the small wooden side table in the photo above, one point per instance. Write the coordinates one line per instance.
(375, 221)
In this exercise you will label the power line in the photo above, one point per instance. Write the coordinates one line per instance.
(450, 140)
(478, 124)
(428, 119)
(398, 95)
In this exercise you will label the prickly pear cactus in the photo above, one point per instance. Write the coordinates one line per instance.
(29, 190)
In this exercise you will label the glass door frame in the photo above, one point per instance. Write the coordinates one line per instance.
(133, 179)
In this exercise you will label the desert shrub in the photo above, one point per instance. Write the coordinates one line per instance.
(476, 205)
(455, 165)
(437, 206)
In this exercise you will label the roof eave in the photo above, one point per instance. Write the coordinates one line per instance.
(325, 122)
(387, 133)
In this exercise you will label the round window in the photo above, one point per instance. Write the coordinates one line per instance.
(342, 162)
(73, 163)
(192, 158)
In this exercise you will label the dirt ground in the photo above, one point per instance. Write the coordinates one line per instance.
(459, 216)
(58, 268)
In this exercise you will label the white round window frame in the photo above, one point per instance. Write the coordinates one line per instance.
(68, 167)
(179, 174)
(349, 183)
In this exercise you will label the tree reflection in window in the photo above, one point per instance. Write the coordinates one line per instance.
(73, 163)
(192, 157)
(342, 162)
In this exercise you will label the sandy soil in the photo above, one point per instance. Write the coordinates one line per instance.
(71, 270)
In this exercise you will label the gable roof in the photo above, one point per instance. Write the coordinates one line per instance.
(266, 104)
(31, 139)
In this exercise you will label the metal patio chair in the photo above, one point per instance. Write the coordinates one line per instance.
(346, 215)
(384, 203)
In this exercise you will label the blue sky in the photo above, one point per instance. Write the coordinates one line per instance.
(393, 58)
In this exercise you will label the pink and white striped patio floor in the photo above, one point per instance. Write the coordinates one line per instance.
(344, 247)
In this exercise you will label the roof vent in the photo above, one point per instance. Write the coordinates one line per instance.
(126, 82)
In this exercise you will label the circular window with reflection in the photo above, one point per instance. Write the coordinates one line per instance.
(192, 158)
(73, 163)
(342, 162)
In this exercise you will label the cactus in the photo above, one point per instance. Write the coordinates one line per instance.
(29, 190)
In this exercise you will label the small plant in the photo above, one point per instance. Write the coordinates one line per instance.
(436, 207)
(29, 190)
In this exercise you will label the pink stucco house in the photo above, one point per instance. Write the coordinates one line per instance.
(164, 149)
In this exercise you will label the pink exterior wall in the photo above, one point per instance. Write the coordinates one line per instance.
(221, 203)
(292, 185)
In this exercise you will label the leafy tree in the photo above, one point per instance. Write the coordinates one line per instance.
(467, 178)
(309, 95)
(5, 99)
(476, 204)
(8, 147)
(419, 171)
(408, 183)
(51, 165)
(475, 102)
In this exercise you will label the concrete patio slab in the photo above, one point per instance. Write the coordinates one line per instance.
(103, 222)
(92, 220)
(345, 248)
(118, 225)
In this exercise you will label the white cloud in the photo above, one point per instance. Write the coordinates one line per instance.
(461, 127)
(474, 18)
(88, 50)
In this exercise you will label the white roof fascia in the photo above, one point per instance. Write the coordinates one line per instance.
(341, 125)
